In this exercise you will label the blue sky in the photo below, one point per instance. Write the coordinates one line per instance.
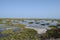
(29, 8)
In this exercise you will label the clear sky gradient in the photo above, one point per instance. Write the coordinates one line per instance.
(29, 8)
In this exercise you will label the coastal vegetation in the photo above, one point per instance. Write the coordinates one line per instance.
(11, 29)
(25, 34)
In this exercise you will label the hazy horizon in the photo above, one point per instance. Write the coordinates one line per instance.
(30, 9)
